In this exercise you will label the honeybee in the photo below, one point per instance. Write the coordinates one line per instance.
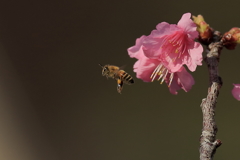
(111, 71)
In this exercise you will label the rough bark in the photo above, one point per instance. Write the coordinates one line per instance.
(208, 141)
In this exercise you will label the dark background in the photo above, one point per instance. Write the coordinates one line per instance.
(55, 105)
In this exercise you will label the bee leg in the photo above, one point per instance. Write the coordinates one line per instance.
(119, 85)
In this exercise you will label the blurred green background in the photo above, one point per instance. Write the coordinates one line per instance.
(55, 105)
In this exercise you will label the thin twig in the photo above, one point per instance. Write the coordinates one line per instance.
(208, 142)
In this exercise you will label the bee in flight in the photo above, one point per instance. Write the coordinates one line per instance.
(111, 71)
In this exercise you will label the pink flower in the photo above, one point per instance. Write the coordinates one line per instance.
(174, 45)
(149, 69)
(236, 91)
(162, 54)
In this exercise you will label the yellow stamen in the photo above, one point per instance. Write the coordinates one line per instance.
(156, 72)
(164, 77)
(171, 78)
(161, 75)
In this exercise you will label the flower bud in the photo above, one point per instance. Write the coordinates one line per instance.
(205, 31)
(234, 30)
(231, 38)
(236, 91)
(237, 37)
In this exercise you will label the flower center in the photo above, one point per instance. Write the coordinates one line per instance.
(163, 74)
(174, 45)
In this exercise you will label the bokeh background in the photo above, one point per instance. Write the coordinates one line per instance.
(55, 105)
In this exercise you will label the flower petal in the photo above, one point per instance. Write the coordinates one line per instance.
(152, 47)
(164, 29)
(136, 66)
(182, 80)
(152, 44)
(173, 66)
(186, 79)
(144, 68)
(195, 56)
(174, 86)
(136, 51)
(188, 25)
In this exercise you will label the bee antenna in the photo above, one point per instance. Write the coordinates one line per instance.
(100, 65)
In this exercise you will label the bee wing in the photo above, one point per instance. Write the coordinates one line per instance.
(123, 67)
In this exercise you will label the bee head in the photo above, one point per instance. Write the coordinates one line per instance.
(105, 69)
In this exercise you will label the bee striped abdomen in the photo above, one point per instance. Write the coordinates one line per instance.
(127, 78)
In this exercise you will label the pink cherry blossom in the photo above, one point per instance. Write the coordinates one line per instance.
(149, 70)
(236, 91)
(174, 45)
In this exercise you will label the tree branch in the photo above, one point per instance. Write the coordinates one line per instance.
(208, 142)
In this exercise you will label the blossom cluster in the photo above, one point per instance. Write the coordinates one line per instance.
(164, 53)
